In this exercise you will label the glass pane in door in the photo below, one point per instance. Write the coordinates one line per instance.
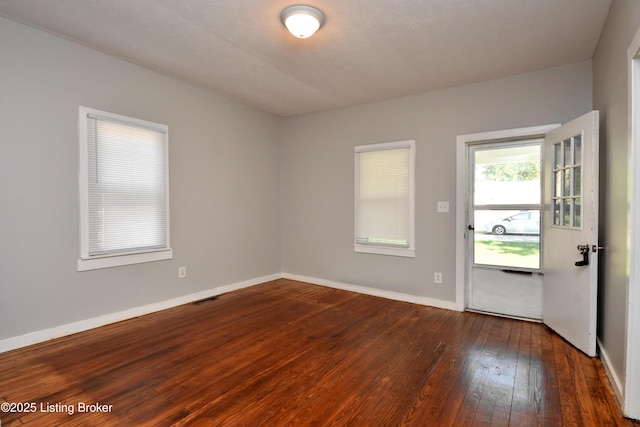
(507, 238)
(567, 188)
(506, 204)
(507, 176)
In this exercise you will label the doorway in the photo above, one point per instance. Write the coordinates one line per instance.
(464, 256)
(568, 219)
(504, 206)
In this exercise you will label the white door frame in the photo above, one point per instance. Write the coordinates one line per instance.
(463, 142)
(631, 392)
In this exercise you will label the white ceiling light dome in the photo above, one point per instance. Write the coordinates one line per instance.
(302, 21)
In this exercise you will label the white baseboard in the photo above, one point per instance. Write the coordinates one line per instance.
(613, 376)
(398, 296)
(95, 322)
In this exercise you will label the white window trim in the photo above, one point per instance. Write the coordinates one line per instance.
(87, 262)
(409, 252)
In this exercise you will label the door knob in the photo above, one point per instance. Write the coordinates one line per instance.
(584, 251)
(583, 248)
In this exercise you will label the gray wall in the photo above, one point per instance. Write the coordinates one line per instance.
(317, 165)
(224, 184)
(611, 97)
(251, 194)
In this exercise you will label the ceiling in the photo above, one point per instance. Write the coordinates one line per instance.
(368, 50)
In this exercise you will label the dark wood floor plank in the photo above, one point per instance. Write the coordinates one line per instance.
(495, 403)
(550, 387)
(537, 388)
(480, 382)
(343, 387)
(597, 389)
(257, 391)
(290, 353)
(568, 394)
(403, 362)
(423, 354)
(587, 411)
(455, 403)
(520, 408)
(433, 398)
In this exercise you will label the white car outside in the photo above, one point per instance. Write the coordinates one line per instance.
(525, 222)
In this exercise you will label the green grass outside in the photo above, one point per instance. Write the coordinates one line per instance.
(508, 254)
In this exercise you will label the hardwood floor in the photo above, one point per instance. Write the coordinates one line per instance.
(290, 353)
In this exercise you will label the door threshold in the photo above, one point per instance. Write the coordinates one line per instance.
(508, 316)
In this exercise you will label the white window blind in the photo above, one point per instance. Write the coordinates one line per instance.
(126, 189)
(384, 198)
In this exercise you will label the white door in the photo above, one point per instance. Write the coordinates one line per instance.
(570, 244)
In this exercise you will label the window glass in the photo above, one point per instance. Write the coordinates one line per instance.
(124, 189)
(384, 197)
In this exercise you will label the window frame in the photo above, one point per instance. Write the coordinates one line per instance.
(92, 262)
(381, 249)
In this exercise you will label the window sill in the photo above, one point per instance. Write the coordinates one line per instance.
(116, 261)
(379, 250)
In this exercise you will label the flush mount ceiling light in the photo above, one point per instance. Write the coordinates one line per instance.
(302, 21)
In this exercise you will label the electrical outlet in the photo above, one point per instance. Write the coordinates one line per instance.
(437, 278)
(443, 207)
(182, 272)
